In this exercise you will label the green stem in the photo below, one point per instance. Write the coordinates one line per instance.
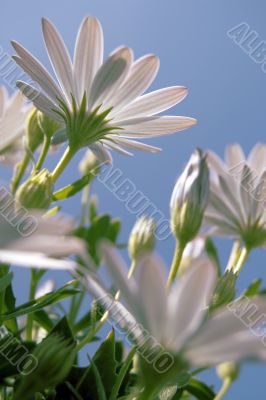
(33, 287)
(243, 256)
(236, 249)
(19, 172)
(45, 149)
(132, 269)
(66, 158)
(92, 333)
(224, 389)
(84, 205)
(179, 250)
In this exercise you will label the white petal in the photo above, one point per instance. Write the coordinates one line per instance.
(118, 271)
(234, 155)
(59, 57)
(42, 102)
(188, 300)
(151, 294)
(36, 71)
(3, 100)
(88, 54)
(134, 145)
(154, 126)
(153, 103)
(139, 78)
(111, 145)
(216, 162)
(35, 260)
(110, 75)
(101, 153)
(257, 158)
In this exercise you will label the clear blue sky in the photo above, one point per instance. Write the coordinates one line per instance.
(227, 94)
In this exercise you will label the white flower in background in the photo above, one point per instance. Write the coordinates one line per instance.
(28, 239)
(238, 195)
(190, 198)
(177, 318)
(102, 104)
(13, 118)
(141, 238)
(193, 251)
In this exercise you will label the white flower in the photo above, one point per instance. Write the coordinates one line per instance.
(101, 103)
(29, 239)
(238, 195)
(190, 198)
(13, 118)
(177, 318)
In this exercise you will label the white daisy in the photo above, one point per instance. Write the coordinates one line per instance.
(238, 195)
(102, 104)
(29, 239)
(13, 118)
(177, 318)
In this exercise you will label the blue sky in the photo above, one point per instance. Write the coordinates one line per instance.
(227, 94)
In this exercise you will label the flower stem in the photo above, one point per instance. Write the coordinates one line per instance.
(132, 269)
(33, 287)
(92, 332)
(45, 149)
(179, 250)
(19, 172)
(66, 158)
(224, 389)
(243, 256)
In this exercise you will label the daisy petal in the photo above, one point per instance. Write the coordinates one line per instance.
(3, 97)
(101, 153)
(134, 145)
(36, 71)
(153, 103)
(59, 57)
(234, 155)
(88, 54)
(199, 280)
(140, 76)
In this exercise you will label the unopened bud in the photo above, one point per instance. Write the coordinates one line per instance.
(190, 198)
(141, 238)
(89, 164)
(34, 134)
(48, 125)
(228, 370)
(36, 192)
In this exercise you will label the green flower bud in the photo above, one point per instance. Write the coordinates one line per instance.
(37, 191)
(190, 198)
(142, 237)
(54, 357)
(47, 125)
(89, 163)
(34, 134)
(228, 370)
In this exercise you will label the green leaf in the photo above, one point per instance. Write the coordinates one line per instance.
(5, 281)
(43, 319)
(73, 188)
(212, 252)
(200, 390)
(99, 382)
(253, 288)
(225, 290)
(122, 374)
(103, 227)
(40, 303)
(63, 330)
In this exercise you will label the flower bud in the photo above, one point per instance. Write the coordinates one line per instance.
(54, 357)
(34, 134)
(89, 163)
(47, 125)
(190, 198)
(36, 192)
(193, 251)
(228, 370)
(141, 238)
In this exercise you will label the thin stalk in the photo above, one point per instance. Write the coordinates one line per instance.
(19, 172)
(179, 250)
(33, 287)
(45, 149)
(84, 205)
(224, 389)
(233, 256)
(66, 158)
(132, 269)
(92, 333)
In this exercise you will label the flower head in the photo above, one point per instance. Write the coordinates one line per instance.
(13, 121)
(178, 317)
(238, 195)
(190, 198)
(101, 103)
(141, 238)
